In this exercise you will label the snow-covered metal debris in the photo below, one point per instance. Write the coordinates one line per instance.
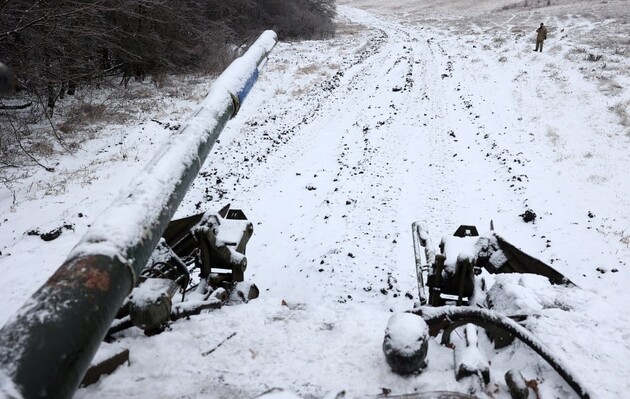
(451, 316)
(452, 279)
(212, 244)
(406, 343)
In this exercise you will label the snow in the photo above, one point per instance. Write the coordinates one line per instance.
(332, 166)
(106, 352)
(469, 358)
(526, 294)
(8, 388)
(407, 332)
(458, 249)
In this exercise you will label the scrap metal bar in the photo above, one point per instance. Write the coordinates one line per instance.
(47, 346)
(424, 255)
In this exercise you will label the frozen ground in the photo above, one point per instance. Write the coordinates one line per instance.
(411, 112)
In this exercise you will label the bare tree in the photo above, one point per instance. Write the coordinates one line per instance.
(53, 47)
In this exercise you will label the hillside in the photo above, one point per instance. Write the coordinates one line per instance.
(435, 111)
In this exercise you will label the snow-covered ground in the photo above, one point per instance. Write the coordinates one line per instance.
(409, 113)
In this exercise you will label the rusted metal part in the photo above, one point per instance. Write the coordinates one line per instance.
(82, 272)
(104, 367)
(516, 384)
(46, 348)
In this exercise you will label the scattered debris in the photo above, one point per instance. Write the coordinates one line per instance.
(211, 243)
(528, 216)
(206, 353)
(52, 234)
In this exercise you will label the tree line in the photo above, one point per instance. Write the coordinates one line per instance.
(51, 46)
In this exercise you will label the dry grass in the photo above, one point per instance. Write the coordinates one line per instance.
(576, 54)
(308, 70)
(621, 110)
(81, 115)
(44, 148)
(499, 41)
(279, 65)
(346, 28)
(554, 137)
(597, 179)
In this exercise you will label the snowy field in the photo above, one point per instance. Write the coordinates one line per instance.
(436, 111)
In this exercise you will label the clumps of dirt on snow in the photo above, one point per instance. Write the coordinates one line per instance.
(528, 216)
(51, 234)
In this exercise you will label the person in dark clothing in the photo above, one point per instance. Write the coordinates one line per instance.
(541, 35)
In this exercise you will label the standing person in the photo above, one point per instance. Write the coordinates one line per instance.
(540, 37)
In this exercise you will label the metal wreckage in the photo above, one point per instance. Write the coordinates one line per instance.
(199, 264)
(212, 244)
(454, 296)
(159, 270)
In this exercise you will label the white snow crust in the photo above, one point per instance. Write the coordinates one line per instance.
(151, 290)
(407, 332)
(458, 248)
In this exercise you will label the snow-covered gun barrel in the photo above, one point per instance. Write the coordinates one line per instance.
(47, 346)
